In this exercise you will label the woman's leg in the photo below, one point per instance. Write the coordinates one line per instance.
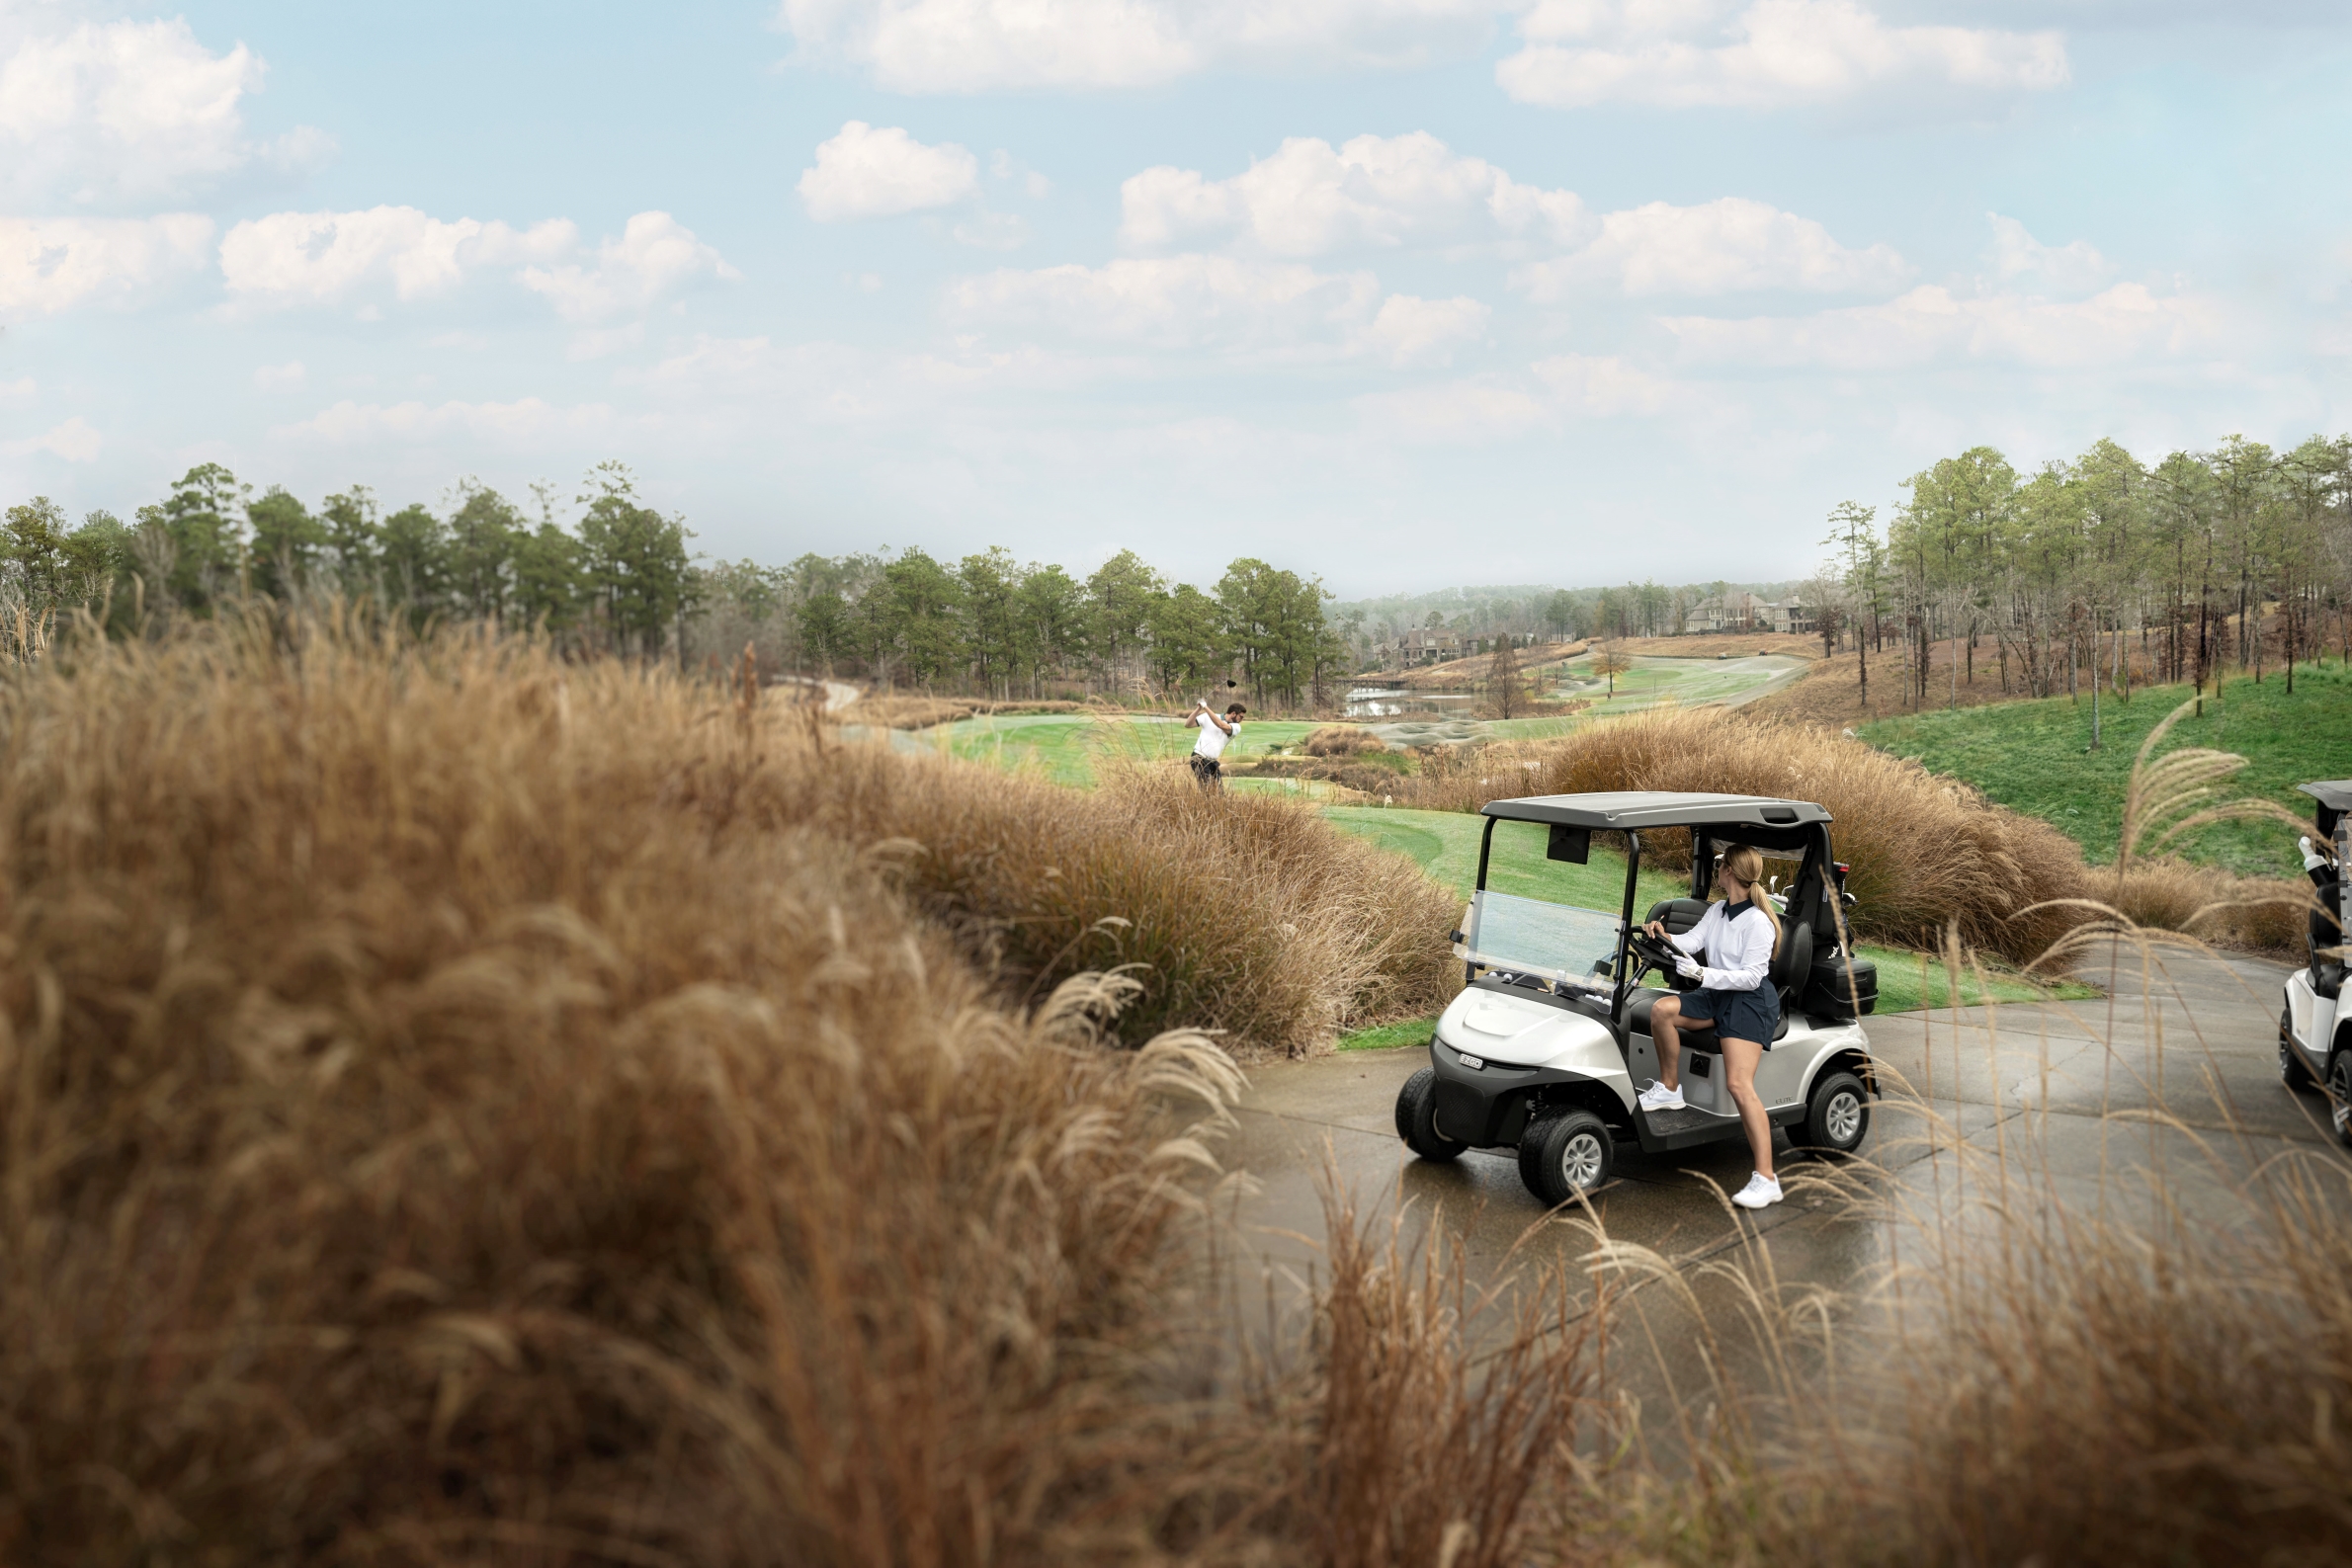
(1740, 1058)
(1666, 1029)
(1664, 1014)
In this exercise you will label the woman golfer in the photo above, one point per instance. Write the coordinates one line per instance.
(1737, 935)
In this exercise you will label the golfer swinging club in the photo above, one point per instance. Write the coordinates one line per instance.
(1216, 733)
(1738, 934)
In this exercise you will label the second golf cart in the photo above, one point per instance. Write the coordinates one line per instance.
(1547, 1045)
(2315, 1021)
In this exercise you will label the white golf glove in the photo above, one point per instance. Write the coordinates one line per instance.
(2312, 859)
(1684, 967)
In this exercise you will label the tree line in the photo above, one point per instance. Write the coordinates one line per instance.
(992, 624)
(2087, 570)
(619, 578)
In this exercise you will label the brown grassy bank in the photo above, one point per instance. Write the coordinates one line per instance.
(1929, 853)
(457, 1108)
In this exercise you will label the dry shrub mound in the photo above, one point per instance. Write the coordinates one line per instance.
(1240, 912)
(446, 1119)
(2266, 913)
(1926, 851)
(459, 1108)
(1341, 740)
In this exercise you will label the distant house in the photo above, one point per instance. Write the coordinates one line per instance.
(1416, 648)
(1739, 612)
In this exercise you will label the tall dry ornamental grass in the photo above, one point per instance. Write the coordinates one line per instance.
(1929, 853)
(457, 1108)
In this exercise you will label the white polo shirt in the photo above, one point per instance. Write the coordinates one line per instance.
(1739, 943)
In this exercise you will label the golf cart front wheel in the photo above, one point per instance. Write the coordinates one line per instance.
(1838, 1118)
(2292, 1072)
(1565, 1154)
(2339, 1096)
(1416, 1119)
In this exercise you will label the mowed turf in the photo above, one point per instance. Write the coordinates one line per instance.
(2034, 757)
(1069, 747)
(1445, 844)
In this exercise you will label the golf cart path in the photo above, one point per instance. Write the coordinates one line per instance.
(2056, 1096)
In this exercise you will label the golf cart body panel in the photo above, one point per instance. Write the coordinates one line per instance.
(1551, 1019)
(2315, 1019)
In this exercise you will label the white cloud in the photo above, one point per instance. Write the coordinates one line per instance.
(2125, 323)
(318, 258)
(19, 393)
(1238, 308)
(129, 110)
(1176, 303)
(1411, 331)
(868, 173)
(975, 45)
(280, 378)
(2073, 267)
(1372, 192)
(325, 258)
(1718, 247)
(1554, 393)
(527, 423)
(1603, 387)
(52, 264)
(654, 257)
(74, 442)
(1694, 53)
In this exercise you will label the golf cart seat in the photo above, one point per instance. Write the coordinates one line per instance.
(1791, 966)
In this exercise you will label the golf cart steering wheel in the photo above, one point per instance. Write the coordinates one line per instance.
(1651, 953)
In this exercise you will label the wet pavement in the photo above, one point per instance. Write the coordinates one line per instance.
(2050, 1104)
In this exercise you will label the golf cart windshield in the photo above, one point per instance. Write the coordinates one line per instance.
(1552, 941)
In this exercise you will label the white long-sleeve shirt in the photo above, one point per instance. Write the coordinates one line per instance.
(1738, 938)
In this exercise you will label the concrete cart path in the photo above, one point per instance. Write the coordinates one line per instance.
(2050, 1096)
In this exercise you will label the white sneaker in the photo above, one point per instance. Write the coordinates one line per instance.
(1761, 1191)
(1658, 1097)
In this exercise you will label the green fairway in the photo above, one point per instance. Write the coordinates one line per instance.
(1445, 844)
(1692, 683)
(1066, 747)
(2034, 756)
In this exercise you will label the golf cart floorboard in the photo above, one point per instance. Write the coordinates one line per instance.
(1679, 1129)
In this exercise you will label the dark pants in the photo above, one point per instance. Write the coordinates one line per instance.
(1208, 771)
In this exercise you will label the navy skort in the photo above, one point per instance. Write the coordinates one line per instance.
(1737, 1014)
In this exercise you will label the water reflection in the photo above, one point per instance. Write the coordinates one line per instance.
(1383, 701)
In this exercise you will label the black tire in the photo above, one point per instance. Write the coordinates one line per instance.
(1837, 1117)
(1416, 1119)
(2339, 1095)
(2292, 1071)
(1566, 1153)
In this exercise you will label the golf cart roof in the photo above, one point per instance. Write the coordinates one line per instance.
(1621, 811)
(2333, 793)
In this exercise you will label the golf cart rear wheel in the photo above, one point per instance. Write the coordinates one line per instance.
(2339, 1096)
(2292, 1072)
(1838, 1118)
(1564, 1154)
(1416, 1119)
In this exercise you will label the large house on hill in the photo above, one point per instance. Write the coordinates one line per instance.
(1747, 612)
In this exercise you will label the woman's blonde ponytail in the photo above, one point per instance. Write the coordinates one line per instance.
(1746, 865)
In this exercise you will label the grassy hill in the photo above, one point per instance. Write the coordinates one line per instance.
(2034, 756)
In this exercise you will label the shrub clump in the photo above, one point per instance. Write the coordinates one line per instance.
(1926, 851)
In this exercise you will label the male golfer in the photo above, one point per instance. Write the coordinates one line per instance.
(1215, 734)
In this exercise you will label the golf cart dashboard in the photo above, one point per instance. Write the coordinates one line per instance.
(1590, 998)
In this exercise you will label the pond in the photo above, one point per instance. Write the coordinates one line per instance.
(1385, 701)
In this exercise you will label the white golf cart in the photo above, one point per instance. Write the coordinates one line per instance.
(2314, 1025)
(1545, 1050)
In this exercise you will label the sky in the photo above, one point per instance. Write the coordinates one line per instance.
(1399, 293)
